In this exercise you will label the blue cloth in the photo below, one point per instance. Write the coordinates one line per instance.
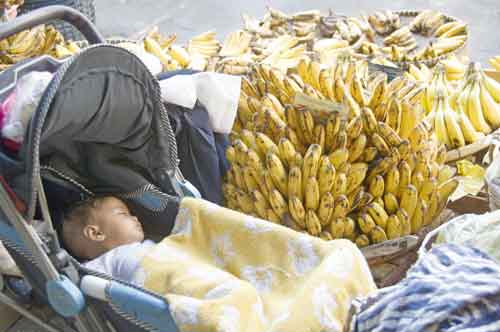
(452, 288)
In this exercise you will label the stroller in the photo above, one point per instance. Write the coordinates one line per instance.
(100, 128)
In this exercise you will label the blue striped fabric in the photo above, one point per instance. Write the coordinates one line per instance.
(452, 288)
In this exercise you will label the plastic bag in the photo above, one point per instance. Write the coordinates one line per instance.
(29, 90)
(479, 231)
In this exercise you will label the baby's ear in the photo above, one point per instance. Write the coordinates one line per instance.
(93, 233)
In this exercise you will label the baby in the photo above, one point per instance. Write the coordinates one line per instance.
(103, 232)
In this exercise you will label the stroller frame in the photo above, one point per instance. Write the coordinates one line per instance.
(76, 292)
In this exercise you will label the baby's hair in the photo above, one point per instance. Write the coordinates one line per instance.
(75, 218)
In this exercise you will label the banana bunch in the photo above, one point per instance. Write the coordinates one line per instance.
(384, 22)
(466, 114)
(236, 44)
(495, 62)
(34, 42)
(171, 56)
(455, 69)
(370, 174)
(419, 73)
(201, 49)
(402, 37)
(427, 22)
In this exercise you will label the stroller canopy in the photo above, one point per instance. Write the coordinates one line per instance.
(102, 128)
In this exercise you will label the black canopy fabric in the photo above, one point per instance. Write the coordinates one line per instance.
(101, 127)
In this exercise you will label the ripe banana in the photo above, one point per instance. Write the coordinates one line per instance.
(409, 200)
(378, 235)
(326, 208)
(378, 214)
(376, 186)
(326, 175)
(394, 227)
(278, 203)
(297, 211)
(311, 193)
(313, 224)
(278, 173)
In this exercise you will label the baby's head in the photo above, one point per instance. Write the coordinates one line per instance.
(96, 226)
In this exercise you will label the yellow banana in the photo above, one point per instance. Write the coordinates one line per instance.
(337, 228)
(392, 181)
(445, 173)
(404, 221)
(278, 203)
(394, 227)
(474, 110)
(354, 127)
(297, 211)
(356, 176)
(295, 182)
(350, 229)
(417, 220)
(250, 182)
(490, 108)
(286, 151)
(273, 217)
(378, 235)
(380, 144)
(390, 203)
(409, 199)
(311, 161)
(260, 203)
(332, 128)
(362, 241)
(341, 206)
(376, 186)
(357, 148)
(313, 224)
(389, 134)
(311, 192)
(245, 202)
(404, 177)
(307, 125)
(370, 123)
(369, 154)
(265, 145)
(394, 116)
(319, 136)
(378, 214)
(366, 222)
(326, 175)
(278, 173)
(339, 157)
(326, 208)
(340, 186)
(447, 188)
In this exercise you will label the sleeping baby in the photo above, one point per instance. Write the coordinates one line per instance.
(221, 270)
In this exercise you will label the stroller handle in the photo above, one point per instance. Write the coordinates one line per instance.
(49, 13)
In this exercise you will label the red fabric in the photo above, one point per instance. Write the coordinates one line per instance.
(20, 206)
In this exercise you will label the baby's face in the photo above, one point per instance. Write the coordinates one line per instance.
(117, 224)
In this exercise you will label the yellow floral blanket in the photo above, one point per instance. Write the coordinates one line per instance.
(225, 271)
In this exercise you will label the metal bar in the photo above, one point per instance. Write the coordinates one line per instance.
(46, 215)
(49, 13)
(28, 236)
(25, 313)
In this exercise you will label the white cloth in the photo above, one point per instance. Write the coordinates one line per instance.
(219, 93)
(122, 262)
(29, 91)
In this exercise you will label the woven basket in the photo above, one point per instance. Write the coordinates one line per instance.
(86, 7)
(390, 260)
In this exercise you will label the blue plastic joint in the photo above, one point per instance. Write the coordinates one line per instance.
(142, 306)
(189, 190)
(65, 297)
